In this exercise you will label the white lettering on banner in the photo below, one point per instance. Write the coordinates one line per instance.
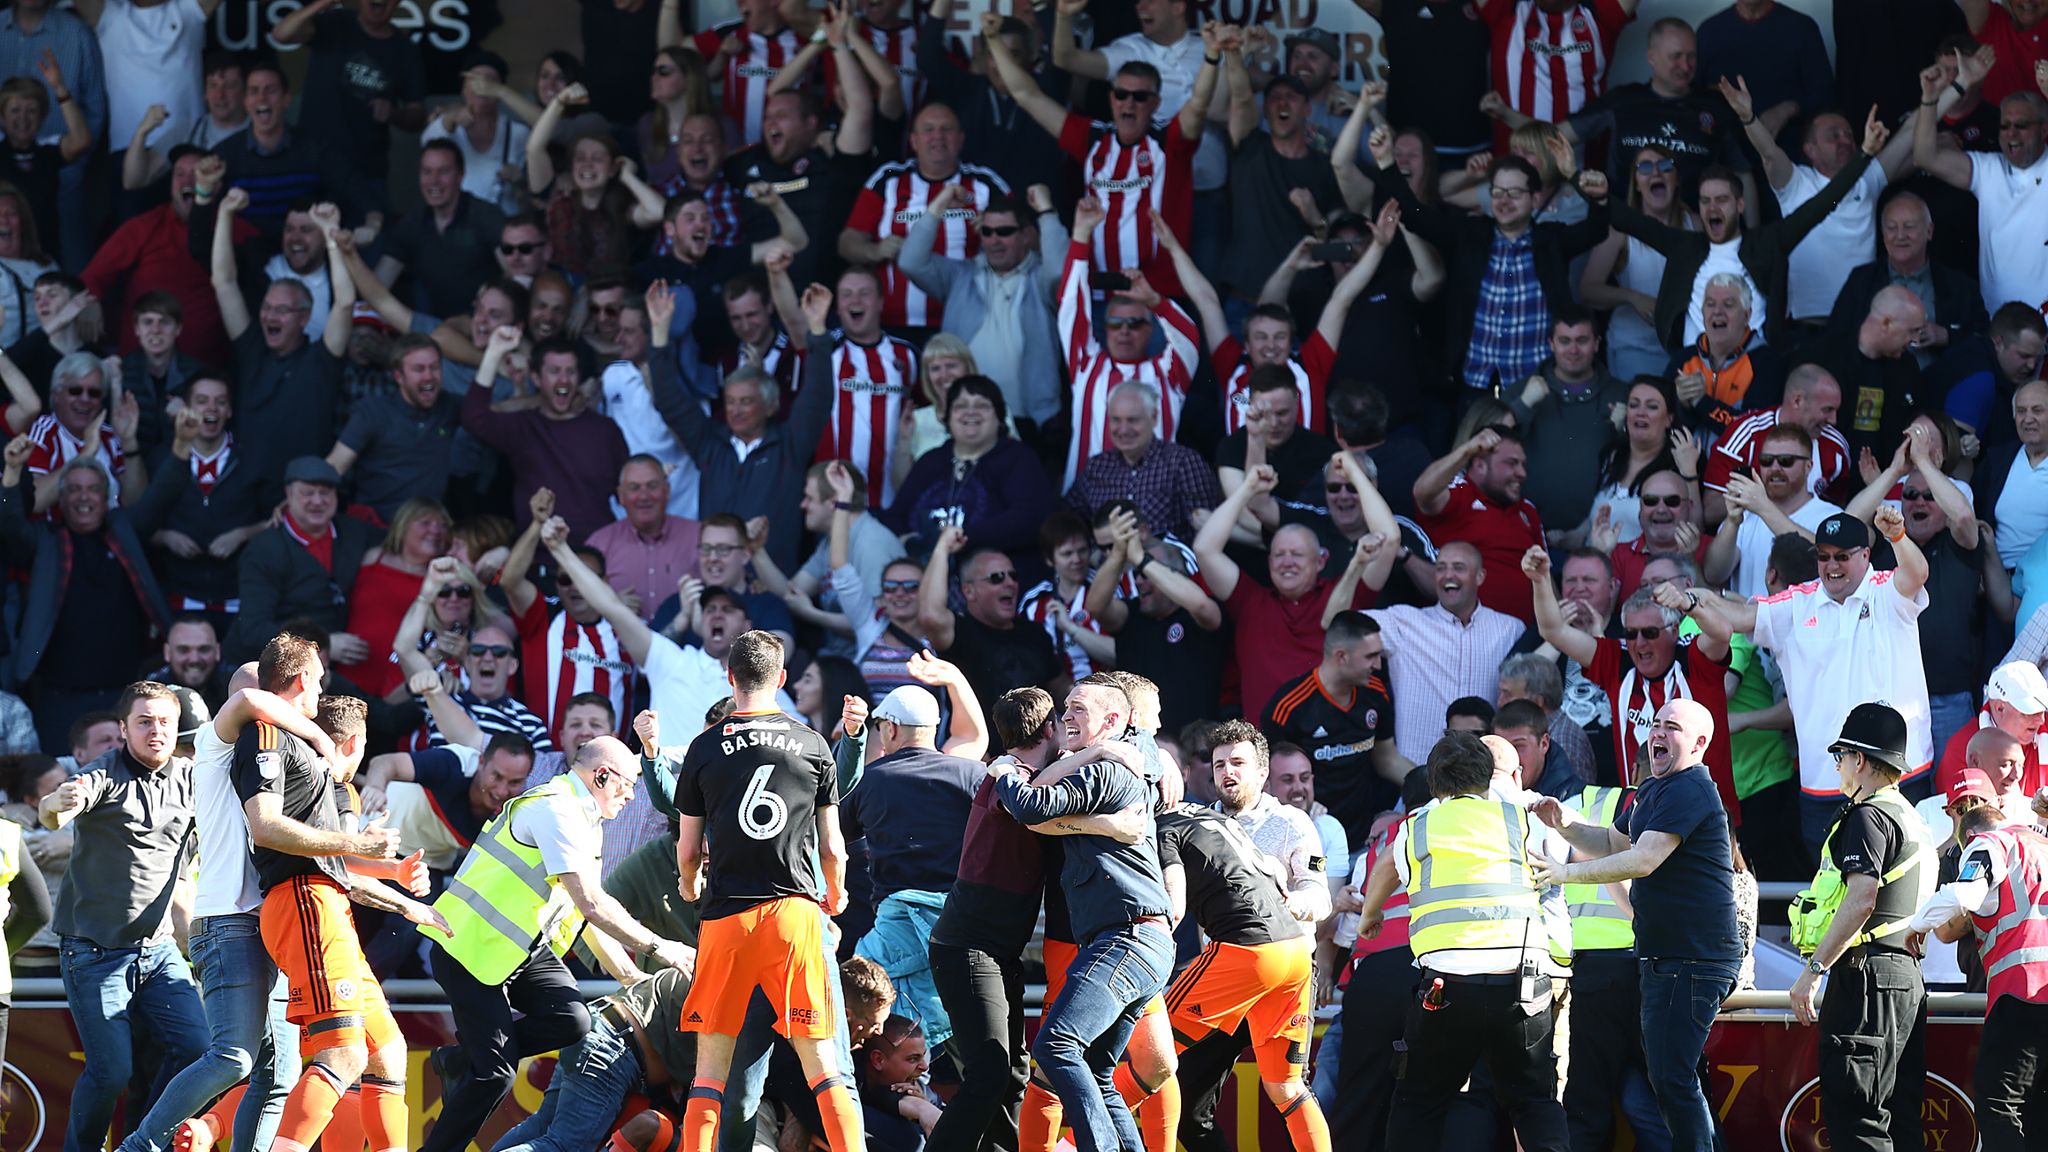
(443, 26)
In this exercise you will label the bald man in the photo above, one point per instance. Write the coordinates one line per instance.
(1676, 851)
(1879, 377)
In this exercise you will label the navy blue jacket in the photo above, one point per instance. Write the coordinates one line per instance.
(1108, 884)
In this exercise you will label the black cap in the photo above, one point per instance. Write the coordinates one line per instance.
(1877, 731)
(1321, 39)
(1291, 82)
(192, 712)
(311, 470)
(1843, 531)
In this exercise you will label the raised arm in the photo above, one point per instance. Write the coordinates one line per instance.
(967, 734)
(1195, 113)
(1067, 55)
(141, 164)
(1433, 488)
(1385, 228)
(1911, 575)
(1550, 622)
(647, 203)
(934, 615)
(1023, 87)
(540, 170)
(1777, 166)
(634, 634)
(227, 290)
(77, 139)
(1219, 570)
(1195, 286)
(1227, 44)
(341, 313)
(1949, 165)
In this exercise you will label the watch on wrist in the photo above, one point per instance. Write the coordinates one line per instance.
(1814, 966)
(845, 506)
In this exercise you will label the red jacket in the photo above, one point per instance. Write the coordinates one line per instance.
(147, 254)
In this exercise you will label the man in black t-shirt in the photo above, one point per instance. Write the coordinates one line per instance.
(986, 640)
(1258, 969)
(1881, 381)
(1341, 714)
(364, 77)
(1170, 632)
(1694, 126)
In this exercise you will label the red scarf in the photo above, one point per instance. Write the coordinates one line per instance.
(321, 549)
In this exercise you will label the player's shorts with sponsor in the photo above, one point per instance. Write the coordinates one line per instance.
(1269, 986)
(310, 933)
(1059, 957)
(779, 947)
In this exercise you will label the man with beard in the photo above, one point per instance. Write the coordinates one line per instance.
(1474, 494)
(304, 566)
(1563, 412)
(523, 249)
(700, 166)
(1443, 653)
(1341, 715)
(205, 504)
(446, 244)
(650, 548)
(152, 253)
(364, 77)
(1675, 846)
(289, 384)
(1779, 500)
(91, 601)
(399, 444)
(1879, 381)
(986, 641)
(1812, 397)
(560, 444)
(900, 194)
(192, 659)
(1169, 632)
(82, 425)
(1729, 370)
(1980, 376)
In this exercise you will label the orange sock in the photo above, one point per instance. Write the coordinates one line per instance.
(1038, 1125)
(841, 1116)
(344, 1131)
(1158, 1112)
(384, 1115)
(1306, 1128)
(308, 1109)
(700, 1115)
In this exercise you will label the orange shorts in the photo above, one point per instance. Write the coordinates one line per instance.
(1059, 957)
(310, 933)
(778, 947)
(1272, 986)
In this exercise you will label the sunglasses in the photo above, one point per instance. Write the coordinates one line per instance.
(1663, 501)
(459, 592)
(1642, 633)
(608, 309)
(1775, 461)
(499, 650)
(1133, 94)
(899, 585)
(1000, 229)
(1654, 167)
(519, 249)
(1916, 494)
(86, 393)
(1127, 323)
(1337, 487)
(1002, 577)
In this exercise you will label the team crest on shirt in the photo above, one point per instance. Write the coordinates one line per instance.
(1145, 160)
(1372, 717)
(1706, 121)
(1175, 633)
(344, 989)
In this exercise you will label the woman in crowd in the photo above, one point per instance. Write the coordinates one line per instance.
(1647, 438)
(981, 478)
(1623, 273)
(595, 207)
(822, 688)
(680, 88)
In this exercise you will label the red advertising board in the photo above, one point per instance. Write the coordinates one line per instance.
(1764, 1086)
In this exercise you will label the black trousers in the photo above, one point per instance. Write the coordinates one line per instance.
(1375, 1014)
(1606, 1042)
(984, 996)
(1873, 1058)
(491, 1042)
(1204, 1068)
(1479, 1020)
(2012, 1090)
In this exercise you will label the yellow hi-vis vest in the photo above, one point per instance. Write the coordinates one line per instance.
(10, 867)
(1468, 879)
(1814, 909)
(1598, 923)
(494, 903)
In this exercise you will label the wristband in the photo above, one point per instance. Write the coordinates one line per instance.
(1930, 103)
(1688, 479)
(1899, 537)
(845, 506)
(818, 34)
(1748, 122)
(1957, 87)
(1212, 60)
(1142, 565)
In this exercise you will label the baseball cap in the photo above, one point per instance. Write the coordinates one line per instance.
(192, 712)
(311, 470)
(910, 706)
(1972, 782)
(1877, 731)
(2019, 684)
(1292, 83)
(1321, 39)
(1843, 531)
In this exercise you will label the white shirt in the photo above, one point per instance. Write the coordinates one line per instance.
(2022, 508)
(227, 874)
(630, 403)
(1723, 257)
(480, 176)
(1753, 540)
(2012, 261)
(570, 836)
(1285, 833)
(1821, 264)
(683, 682)
(1875, 632)
(152, 57)
(1432, 660)
(1543, 841)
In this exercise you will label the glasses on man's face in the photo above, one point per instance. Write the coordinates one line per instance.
(899, 585)
(1126, 323)
(717, 549)
(86, 393)
(1500, 193)
(1642, 633)
(1788, 460)
(1000, 229)
(1002, 577)
(1834, 557)
(527, 249)
(1129, 95)
(501, 651)
(1666, 501)
(607, 309)
(1654, 167)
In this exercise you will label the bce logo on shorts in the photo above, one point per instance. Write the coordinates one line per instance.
(805, 1016)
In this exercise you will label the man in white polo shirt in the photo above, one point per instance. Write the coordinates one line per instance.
(1851, 636)
(2012, 264)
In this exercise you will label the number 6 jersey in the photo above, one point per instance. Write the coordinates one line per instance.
(758, 780)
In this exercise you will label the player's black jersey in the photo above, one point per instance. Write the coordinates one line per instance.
(1232, 890)
(269, 759)
(758, 780)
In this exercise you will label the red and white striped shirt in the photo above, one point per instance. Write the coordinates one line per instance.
(1036, 606)
(899, 47)
(206, 470)
(1549, 64)
(1157, 172)
(1744, 441)
(1094, 373)
(55, 447)
(894, 199)
(874, 384)
(748, 73)
(1311, 368)
(561, 659)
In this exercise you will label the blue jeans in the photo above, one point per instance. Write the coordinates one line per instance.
(747, 1078)
(1084, 1031)
(1680, 1000)
(1323, 1079)
(592, 1078)
(111, 991)
(1948, 715)
(245, 998)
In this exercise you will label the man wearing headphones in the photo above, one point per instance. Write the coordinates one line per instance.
(515, 906)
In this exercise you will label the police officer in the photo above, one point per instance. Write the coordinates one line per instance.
(2001, 892)
(1475, 924)
(1877, 868)
(1606, 1041)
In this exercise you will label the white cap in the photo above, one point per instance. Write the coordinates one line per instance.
(2019, 684)
(912, 707)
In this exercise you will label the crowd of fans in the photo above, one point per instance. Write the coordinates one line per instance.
(1487, 396)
